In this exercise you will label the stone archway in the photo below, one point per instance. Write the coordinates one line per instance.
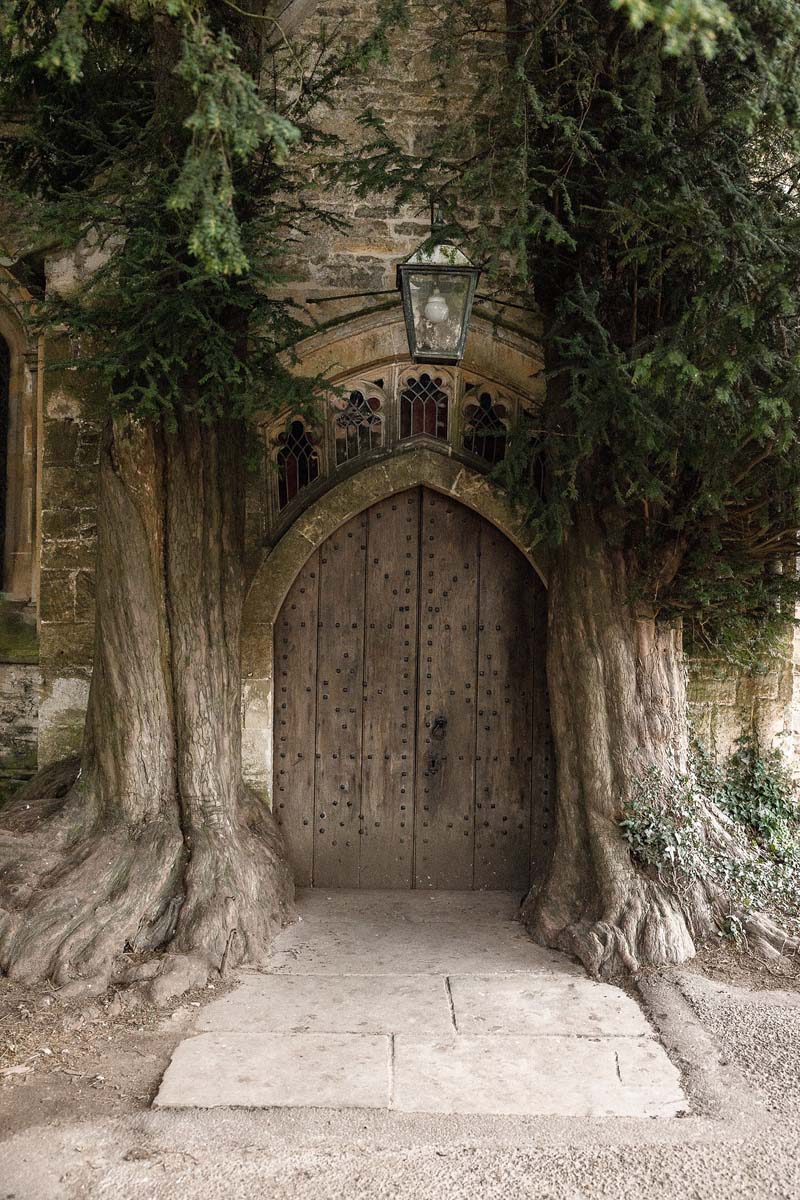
(418, 467)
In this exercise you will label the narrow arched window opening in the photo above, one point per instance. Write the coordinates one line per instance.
(424, 405)
(298, 462)
(486, 429)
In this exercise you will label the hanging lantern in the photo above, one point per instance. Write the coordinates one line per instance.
(437, 283)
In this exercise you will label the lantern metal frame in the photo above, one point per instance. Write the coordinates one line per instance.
(437, 260)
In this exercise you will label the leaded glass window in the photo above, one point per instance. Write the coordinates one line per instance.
(358, 428)
(424, 405)
(486, 428)
(297, 460)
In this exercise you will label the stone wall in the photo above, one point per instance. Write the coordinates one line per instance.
(405, 93)
(726, 703)
(19, 695)
(66, 613)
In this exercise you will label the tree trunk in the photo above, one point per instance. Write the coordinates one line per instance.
(157, 843)
(618, 707)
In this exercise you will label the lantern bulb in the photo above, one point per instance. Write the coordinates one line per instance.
(436, 309)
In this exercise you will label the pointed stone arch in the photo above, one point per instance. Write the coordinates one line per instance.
(281, 564)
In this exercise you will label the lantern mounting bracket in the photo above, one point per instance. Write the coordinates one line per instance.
(349, 296)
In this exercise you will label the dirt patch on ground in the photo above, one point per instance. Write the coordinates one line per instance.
(728, 962)
(71, 1060)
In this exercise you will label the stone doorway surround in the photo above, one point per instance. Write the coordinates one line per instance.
(414, 467)
(423, 1002)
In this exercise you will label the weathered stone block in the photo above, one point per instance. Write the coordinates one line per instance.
(61, 443)
(71, 554)
(257, 735)
(57, 596)
(61, 717)
(62, 401)
(18, 640)
(58, 523)
(256, 650)
(88, 452)
(84, 596)
(704, 690)
(66, 645)
(69, 487)
(19, 707)
(346, 274)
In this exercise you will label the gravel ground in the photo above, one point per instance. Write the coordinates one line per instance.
(315, 1155)
(759, 1032)
(107, 1144)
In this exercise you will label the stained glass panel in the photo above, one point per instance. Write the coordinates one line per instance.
(486, 428)
(298, 462)
(424, 405)
(358, 428)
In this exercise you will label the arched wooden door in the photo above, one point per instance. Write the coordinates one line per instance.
(404, 703)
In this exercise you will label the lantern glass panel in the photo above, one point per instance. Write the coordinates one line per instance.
(439, 302)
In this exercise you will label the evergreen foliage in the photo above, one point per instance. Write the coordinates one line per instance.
(632, 171)
(145, 133)
(630, 168)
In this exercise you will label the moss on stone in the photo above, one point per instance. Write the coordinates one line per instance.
(18, 640)
(16, 768)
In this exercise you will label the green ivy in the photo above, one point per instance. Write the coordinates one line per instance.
(758, 794)
(668, 825)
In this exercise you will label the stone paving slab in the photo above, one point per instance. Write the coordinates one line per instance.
(552, 1076)
(388, 933)
(646, 1072)
(332, 1004)
(426, 1003)
(544, 1005)
(308, 1070)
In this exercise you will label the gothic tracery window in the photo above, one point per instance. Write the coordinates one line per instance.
(298, 462)
(358, 428)
(424, 406)
(486, 428)
(365, 418)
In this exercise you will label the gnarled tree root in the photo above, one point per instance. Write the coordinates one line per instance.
(83, 898)
(650, 923)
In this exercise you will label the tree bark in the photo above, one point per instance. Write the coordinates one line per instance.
(618, 707)
(156, 843)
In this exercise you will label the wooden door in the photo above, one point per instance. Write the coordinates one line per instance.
(405, 748)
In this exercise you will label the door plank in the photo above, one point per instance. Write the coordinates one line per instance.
(389, 713)
(504, 743)
(340, 644)
(295, 719)
(445, 768)
(543, 772)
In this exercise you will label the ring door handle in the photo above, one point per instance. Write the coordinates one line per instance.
(439, 727)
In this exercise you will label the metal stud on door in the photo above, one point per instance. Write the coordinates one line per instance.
(444, 826)
(389, 706)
